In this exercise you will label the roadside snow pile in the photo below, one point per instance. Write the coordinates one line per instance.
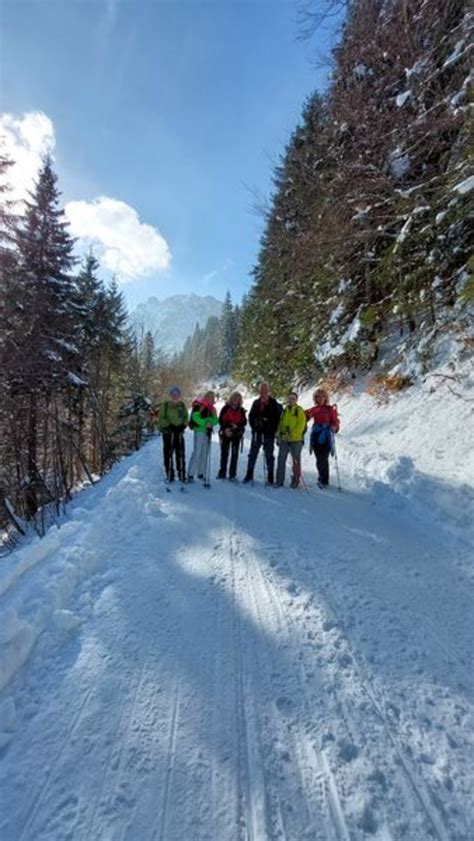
(39, 580)
(415, 447)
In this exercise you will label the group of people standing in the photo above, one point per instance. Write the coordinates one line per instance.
(270, 423)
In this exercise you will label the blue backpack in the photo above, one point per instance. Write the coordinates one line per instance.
(322, 433)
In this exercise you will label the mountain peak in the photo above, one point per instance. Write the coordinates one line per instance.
(173, 319)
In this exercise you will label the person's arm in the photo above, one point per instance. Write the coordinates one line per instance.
(221, 415)
(161, 422)
(301, 424)
(253, 415)
(198, 419)
(334, 419)
(277, 414)
(185, 418)
(279, 430)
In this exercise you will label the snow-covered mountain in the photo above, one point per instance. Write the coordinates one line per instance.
(172, 320)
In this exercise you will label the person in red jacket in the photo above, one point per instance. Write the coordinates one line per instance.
(232, 420)
(325, 425)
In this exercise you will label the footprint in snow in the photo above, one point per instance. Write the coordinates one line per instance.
(284, 704)
(348, 751)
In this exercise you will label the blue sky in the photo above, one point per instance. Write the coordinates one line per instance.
(177, 110)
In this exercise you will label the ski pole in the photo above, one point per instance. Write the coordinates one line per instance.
(337, 465)
(254, 438)
(264, 462)
(302, 479)
(207, 476)
(181, 465)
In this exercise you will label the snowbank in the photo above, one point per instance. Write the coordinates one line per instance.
(414, 447)
(39, 580)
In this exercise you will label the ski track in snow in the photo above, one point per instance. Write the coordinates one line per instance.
(250, 664)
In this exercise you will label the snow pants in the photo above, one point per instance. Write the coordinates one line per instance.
(321, 452)
(285, 448)
(198, 460)
(268, 441)
(173, 443)
(233, 445)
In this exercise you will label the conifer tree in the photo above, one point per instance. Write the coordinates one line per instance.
(367, 233)
(228, 336)
(46, 353)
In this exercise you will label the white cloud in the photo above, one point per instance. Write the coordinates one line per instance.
(26, 140)
(127, 246)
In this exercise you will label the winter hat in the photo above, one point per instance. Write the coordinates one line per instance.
(175, 389)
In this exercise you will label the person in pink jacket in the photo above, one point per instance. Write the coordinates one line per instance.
(325, 425)
(203, 420)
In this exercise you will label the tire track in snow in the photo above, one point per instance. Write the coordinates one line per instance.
(161, 833)
(418, 786)
(336, 825)
(252, 806)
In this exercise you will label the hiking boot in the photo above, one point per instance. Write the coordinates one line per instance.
(278, 485)
(200, 475)
(247, 479)
(220, 475)
(190, 479)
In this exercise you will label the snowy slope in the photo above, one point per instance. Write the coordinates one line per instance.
(238, 663)
(414, 448)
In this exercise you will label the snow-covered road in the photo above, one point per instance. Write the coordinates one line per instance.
(236, 663)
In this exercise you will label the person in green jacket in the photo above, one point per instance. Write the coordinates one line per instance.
(203, 420)
(172, 421)
(290, 436)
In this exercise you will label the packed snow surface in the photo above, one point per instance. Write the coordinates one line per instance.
(238, 664)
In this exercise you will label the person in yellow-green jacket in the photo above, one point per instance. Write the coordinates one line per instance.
(290, 436)
(172, 421)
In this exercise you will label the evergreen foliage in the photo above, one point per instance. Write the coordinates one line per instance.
(75, 387)
(367, 233)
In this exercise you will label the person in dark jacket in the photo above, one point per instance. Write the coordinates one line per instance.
(232, 420)
(172, 421)
(264, 418)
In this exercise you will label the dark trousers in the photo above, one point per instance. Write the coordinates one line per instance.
(233, 445)
(321, 452)
(173, 442)
(268, 442)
